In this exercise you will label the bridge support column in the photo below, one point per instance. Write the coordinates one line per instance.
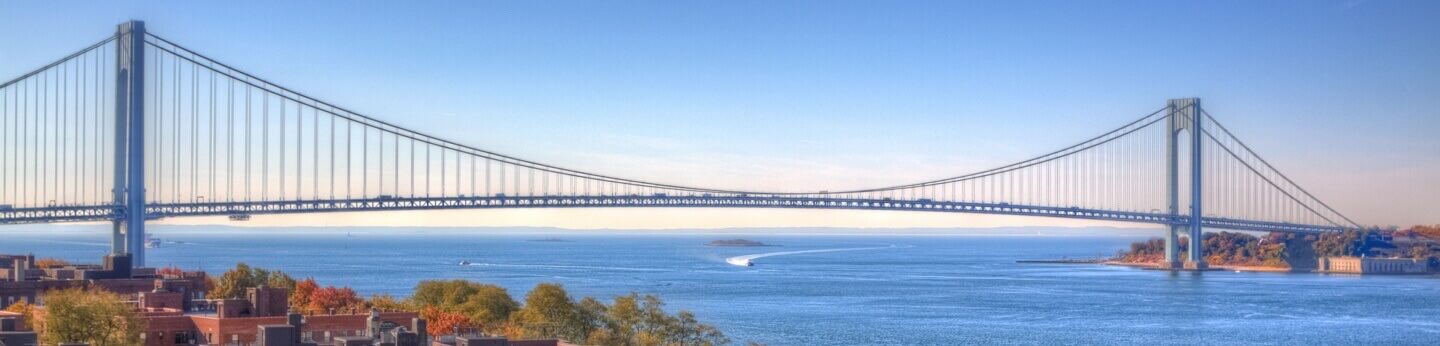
(129, 191)
(1197, 252)
(1172, 247)
(1184, 116)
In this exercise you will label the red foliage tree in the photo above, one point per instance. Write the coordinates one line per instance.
(300, 299)
(441, 322)
(170, 271)
(331, 299)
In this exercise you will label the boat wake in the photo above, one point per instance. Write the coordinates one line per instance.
(747, 260)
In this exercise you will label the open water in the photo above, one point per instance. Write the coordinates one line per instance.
(872, 289)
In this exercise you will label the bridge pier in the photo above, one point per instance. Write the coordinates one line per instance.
(1184, 116)
(129, 192)
(1172, 247)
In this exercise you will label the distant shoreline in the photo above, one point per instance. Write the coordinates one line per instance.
(1156, 266)
(1212, 267)
(737, 243)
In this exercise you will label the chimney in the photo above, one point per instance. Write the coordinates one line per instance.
(118, 266)
(372, 324)
(297, 321)
(418, 325)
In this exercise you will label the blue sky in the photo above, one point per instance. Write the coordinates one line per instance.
(1342, 95)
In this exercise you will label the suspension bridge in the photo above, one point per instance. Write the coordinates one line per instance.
(136, 127)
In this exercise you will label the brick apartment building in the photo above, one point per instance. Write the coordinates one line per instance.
(21, 280)
(177, 312)
(239, 321)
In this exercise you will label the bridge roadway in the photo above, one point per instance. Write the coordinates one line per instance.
(164, 210)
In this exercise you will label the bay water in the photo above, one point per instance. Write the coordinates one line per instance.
(828, 286)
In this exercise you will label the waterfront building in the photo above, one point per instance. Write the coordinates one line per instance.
(22, 279)
(1372, 265)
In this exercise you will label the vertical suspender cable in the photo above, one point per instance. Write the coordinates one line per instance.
(280, 169)
(62, 131)
(249, 127)
(213, 150)
(264, 145)
(175, 154)
(315, 153)
(364, 160)
(332, 156)
(396, 182)
(230, 140)
(194, 129)
(442, 172)
(428, 164)
(349, 158)
(380, 165)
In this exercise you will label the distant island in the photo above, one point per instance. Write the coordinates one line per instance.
(1394, 251)
(736, 242)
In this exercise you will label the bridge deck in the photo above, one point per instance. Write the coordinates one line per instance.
(107, 212)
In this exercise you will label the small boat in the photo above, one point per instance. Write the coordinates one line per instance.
(464, 263)
(737, 261)
(152, 243)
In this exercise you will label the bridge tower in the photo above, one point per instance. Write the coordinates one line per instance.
(128, 235)
(1184, 117)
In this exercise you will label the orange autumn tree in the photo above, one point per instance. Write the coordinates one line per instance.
(330, 299)
(300, 298)
(26, 311)
(46, 263)
(442, 323)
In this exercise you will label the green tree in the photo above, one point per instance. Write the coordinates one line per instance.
(591, 313)
(641, 320)
(548, 313)
(233, 283)
(692, 332)
(487, 305)
(92, 316)
(490, 306)
(387, 302)
(443, 294)
(1347, 243)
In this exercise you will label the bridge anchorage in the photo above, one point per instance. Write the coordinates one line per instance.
(135, 128)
